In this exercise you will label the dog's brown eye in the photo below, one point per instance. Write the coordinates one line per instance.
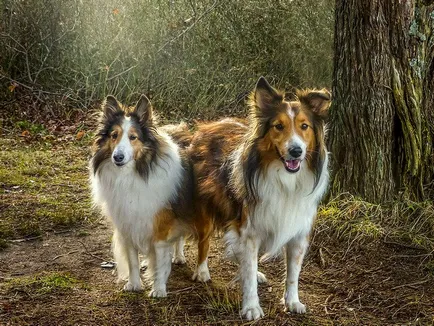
(304, 126)
(279, 126)
(114, 136)
(132, 137)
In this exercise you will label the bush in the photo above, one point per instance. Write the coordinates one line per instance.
(197, 59)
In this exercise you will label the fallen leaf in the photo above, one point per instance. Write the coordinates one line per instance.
(12, 87)
(80, 135)
(25, 133)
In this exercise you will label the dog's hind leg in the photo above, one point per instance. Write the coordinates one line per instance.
(160, 264)
(295, 251)
(204, 230)
(179, 257)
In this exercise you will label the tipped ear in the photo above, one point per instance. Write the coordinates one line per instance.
(143, 108)
(317, 100)
(266, 96)
(111, 107)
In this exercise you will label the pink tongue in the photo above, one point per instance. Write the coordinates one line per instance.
(292, 164)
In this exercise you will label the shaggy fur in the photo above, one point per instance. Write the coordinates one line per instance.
(143, 183)
(261, 181)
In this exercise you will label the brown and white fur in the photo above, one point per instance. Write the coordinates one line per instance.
(261, 182)
(143, 183)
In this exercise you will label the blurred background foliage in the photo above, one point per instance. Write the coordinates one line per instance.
(195, 59)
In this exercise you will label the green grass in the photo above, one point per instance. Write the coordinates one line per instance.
(44, 283)
(348, 217)
(44, 186)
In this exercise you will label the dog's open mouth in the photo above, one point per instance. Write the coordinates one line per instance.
(292, 165)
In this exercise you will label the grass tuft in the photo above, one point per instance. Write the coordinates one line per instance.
(348, 217)
(44, 283)
(221, 300)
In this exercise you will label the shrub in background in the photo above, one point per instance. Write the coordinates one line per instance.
(196, 59)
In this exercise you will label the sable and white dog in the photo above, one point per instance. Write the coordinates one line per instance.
(143, 183)
(261, 182)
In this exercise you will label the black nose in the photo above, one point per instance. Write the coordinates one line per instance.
(118, 158)
(295, 151)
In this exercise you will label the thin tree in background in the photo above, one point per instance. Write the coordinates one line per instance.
(382, 121)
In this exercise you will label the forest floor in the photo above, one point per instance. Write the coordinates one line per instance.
(52, 245)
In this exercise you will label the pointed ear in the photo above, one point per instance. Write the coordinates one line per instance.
(111, 107)
(143, 109)
(266, 96)
(316, 100)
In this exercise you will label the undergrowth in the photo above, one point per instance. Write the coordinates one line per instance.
(348, 217)
(195, 59)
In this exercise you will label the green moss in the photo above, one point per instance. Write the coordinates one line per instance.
(44, 283)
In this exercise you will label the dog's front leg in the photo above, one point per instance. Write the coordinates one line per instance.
(295, 251)
(160, 264)
(248, 272)
(134, 281)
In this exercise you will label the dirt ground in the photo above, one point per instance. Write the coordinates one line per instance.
(50, 268)
(378, 285)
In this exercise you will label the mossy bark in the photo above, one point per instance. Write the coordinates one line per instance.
(382, 125)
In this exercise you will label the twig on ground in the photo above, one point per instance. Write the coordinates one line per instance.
(402, 245)
(410, 284)
(89, 253)
(26, 239)
(321, 256)
(69, 253)
(183, 290)
(326, 302)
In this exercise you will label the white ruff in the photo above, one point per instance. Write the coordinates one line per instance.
(130, 202)
(287, 207)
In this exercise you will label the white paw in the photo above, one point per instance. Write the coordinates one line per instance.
(252, 312)
(179, 260)
(133, 287)
(158, 293)
(201, 276)
(262, 278)
(295, 307)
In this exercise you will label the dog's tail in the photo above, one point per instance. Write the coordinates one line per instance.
(180, 133)
(120, 256)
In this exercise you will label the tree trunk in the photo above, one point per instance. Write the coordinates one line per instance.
(382, 121)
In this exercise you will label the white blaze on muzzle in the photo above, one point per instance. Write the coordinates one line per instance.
(123, 152)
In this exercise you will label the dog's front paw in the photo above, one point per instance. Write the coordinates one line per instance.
(201, 276)
(201, 273)
(158, 293)
(133, 287)
(262, 278)
(295, 307)
(179, 260)
(252, 312)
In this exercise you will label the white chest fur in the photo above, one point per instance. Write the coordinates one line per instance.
(288, 205)
(132, 202)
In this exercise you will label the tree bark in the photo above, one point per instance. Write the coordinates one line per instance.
(382, 126)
